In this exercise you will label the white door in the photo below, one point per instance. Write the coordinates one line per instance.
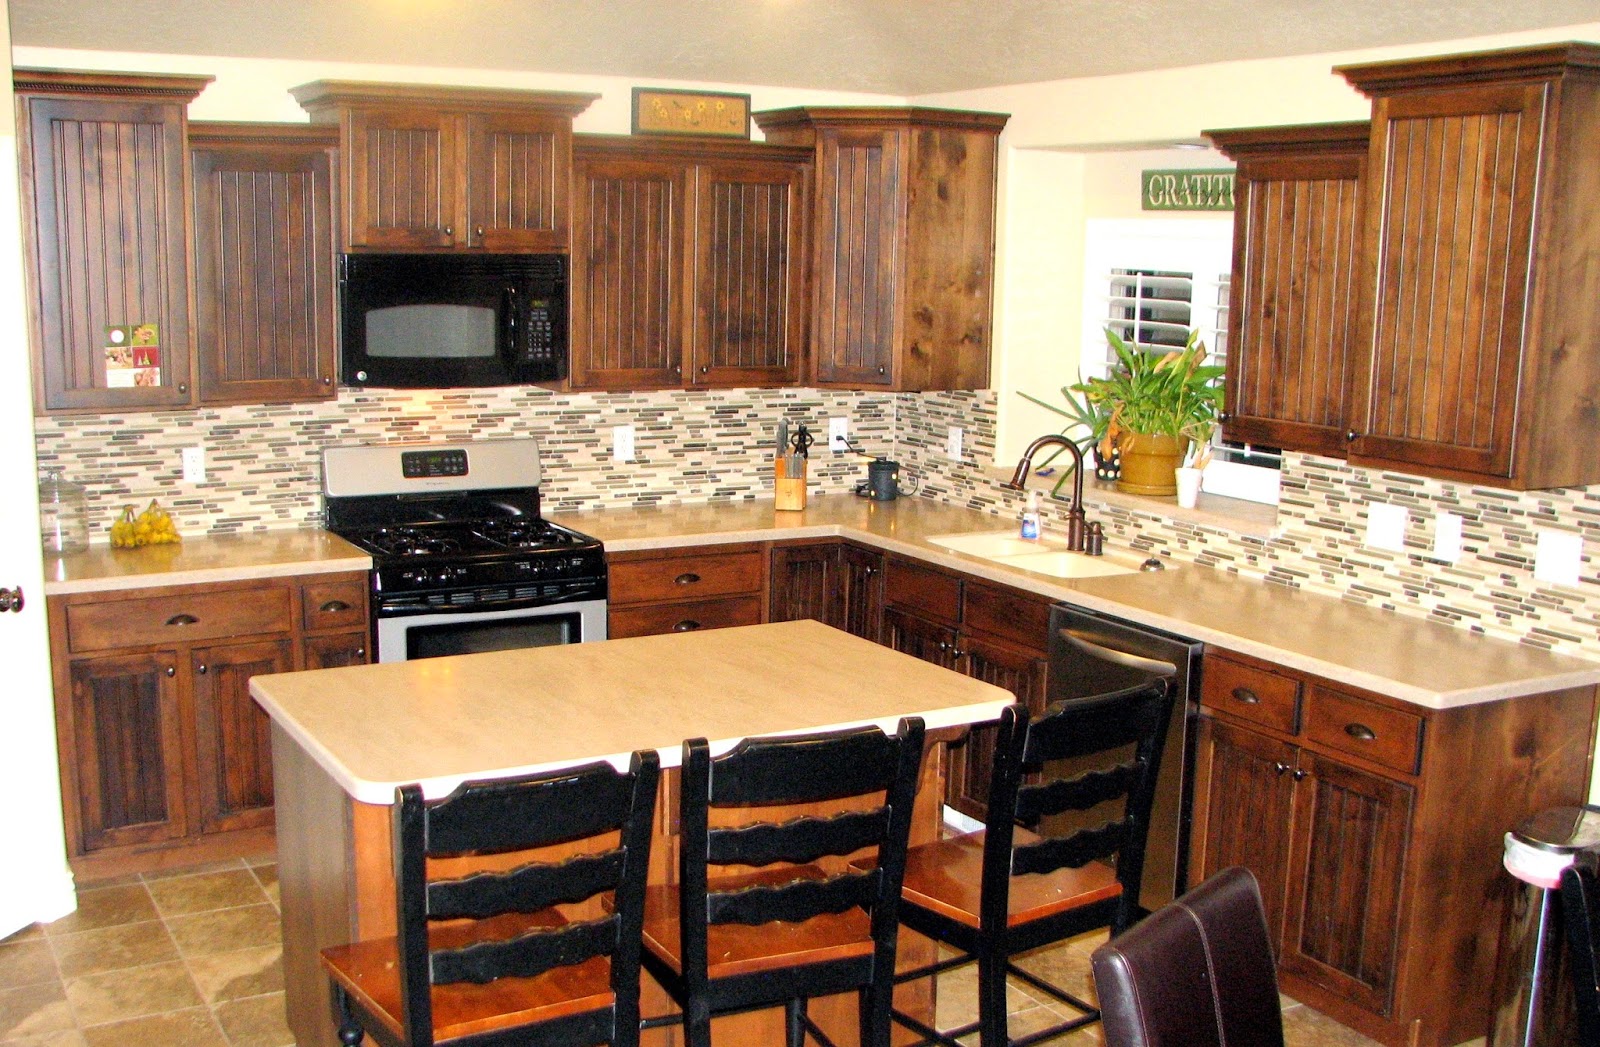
(35, 884)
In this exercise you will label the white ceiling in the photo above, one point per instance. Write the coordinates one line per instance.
(897, 47)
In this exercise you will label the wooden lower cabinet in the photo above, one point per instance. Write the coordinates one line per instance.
(835, 582)
(686, 589)
(165, 757)
(1375, 829)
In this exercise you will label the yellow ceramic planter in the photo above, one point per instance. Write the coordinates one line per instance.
(1150, 463)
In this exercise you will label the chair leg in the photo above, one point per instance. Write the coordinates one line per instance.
(874, 1002)
(992, 1001)
(794, 1012)
(350, 1032)
(696, 1024)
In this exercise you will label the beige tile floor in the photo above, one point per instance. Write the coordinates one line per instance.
(191, 958)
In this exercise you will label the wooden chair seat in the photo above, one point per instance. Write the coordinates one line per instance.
(735, 949)
(947, 877)
(369, 970)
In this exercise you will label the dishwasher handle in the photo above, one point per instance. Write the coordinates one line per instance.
(1080, 666)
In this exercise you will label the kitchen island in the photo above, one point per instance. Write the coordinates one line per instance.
(344, 738)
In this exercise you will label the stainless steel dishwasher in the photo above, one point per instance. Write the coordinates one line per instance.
(1091, 653)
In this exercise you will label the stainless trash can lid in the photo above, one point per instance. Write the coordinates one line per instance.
(1561, 829)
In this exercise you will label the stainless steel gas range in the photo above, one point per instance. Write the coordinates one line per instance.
(462, 559)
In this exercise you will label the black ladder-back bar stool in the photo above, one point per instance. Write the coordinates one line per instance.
(1580, 915)
(527, 955)
(1012, 886)
(793, 920)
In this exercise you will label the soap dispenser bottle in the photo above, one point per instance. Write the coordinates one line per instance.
(1030, 516)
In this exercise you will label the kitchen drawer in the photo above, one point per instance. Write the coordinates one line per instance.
(1251, 693)
(1015, 616)
(690, 577)
(683, 617)
(929, 592)
(179, 618)
(337, 604)
(1343, 722)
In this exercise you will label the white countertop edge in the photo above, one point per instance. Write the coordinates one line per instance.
(240, 573)
(382, 793)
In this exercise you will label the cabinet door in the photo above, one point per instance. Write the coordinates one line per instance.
(1450, 238)
(1244, 798)
(747, 270)
(233, 737)
(109, 250)
(1293, 316)
(404, 179)
(332, 652)
(265, 242)
(860, 582)
(860, 218)
(127, 749)
(1017, 669)
(805, 583)
(1342, 921)
(919, 638)
(517, 181)
(628, 274)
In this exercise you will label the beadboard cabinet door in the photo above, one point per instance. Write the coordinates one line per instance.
(265, 251)
(233, 735)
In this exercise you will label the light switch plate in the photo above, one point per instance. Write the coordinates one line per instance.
(622, 443)
(838, 433)
(952, 442)
(1557, 557)
(1446, 537)
(1386, 526)
(194, 465)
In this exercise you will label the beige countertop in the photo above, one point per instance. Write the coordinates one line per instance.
(226, 558)
(1410, 658)
(440, 721)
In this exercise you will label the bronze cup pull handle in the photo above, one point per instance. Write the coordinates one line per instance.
(1246, 695)
(686, 578)
(334, 607)
(1360, 731)
(688, 625)
(183, 619)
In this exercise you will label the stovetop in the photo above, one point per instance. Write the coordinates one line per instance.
(467, 538)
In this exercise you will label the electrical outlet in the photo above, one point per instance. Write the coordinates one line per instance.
(1446, 537)
(1557, 557)
(1386, 526)
(194, 465)
(838, 433)
(952, 442)
(622, 443)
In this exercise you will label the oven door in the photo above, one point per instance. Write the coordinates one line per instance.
(410, 637)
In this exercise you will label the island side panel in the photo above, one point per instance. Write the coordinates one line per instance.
(316, 881)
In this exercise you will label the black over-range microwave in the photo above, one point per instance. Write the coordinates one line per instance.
(448, 321)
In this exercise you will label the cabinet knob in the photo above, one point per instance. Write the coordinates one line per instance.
(334, 607)
(686, 578)
(182, 619)
(171, 671)
(1224, 416)
(201, 668)
(1299, 774)
(1280, 767)
(11, 599)
(688, 625)
(449, 230)
(361, 652)
(183, 387)
(705, 369)
(1350, 435)
(479, 232)
(1246, 695)
(882, 370)
(1360, 732)
(327, 380)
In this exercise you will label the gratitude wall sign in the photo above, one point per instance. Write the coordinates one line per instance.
(1186, 190)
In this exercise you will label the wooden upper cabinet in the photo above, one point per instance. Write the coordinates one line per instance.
(902, 255)
(430, 168)
(687, 263)
(1293, 309)
(105, 215)
(265, 249)
(1479, 352)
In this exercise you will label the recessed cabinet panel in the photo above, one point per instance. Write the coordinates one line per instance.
(402, 179)
(859, 217)
(517, 178)
(234, 734)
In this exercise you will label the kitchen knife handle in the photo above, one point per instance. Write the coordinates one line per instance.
(686, 578)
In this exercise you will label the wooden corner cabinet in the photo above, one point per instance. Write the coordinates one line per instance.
(1292, 310)
(105, 229)
(688, 263)
(1375, 829)
(265, 251)
(444, 168)
(902, 256)
(835, 582)
(164, 755)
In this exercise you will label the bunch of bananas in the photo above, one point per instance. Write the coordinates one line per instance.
(151, 527)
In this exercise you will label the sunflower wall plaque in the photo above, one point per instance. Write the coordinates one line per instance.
(658, 111)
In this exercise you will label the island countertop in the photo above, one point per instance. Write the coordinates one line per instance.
(441, 721)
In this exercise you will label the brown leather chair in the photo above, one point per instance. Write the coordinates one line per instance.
(1195, 973)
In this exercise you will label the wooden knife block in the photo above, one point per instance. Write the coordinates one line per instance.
(790, 491)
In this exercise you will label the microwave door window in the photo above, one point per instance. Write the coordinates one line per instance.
(433, 332)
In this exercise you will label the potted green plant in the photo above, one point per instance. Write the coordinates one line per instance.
(1158, 405)
(1089, 426)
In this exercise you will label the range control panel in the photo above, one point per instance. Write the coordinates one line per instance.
(431, 463)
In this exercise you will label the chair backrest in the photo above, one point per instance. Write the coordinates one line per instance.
(1580, 912)
(1197, 972)
(1026, 792)
(790, 771)
(492, 925)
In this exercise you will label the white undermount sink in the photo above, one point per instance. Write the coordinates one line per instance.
(1043, 555)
